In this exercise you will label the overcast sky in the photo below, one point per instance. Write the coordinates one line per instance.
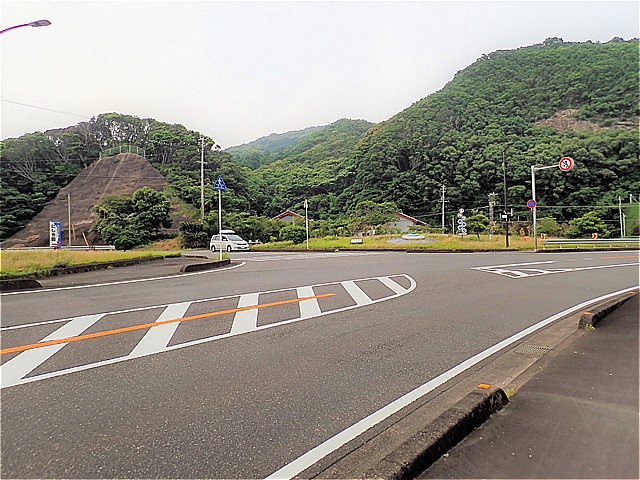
(237, 71)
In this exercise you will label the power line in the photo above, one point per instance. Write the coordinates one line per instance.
(85, 117)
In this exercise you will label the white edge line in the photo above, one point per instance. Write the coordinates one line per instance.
(108, 284)
(312, 456)
(200, 341)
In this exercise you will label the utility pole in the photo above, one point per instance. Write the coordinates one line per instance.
(620, 213)
(69, 215)
(202, 180)
(443, 202)
(492, 202)
(505, 215)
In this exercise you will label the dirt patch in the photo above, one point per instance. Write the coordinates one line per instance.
(120, 175)
(565, 120)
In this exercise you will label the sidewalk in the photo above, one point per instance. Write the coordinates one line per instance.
(577, 418)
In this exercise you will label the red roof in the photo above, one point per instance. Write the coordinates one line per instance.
(411, 219)
(286, 213)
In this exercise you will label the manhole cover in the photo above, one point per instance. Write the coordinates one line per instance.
(532, 350)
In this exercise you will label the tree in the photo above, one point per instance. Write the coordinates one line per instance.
(477, 223)
(293, 233)
(370, 214)
(152, 209)
(129, 222)
(549, 226)
(586, 225)
(193, 235)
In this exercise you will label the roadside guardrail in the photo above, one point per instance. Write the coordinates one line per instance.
(592, 242)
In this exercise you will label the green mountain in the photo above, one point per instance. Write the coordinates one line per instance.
(309, 168)
(270, 148)
(530, 106)
(518, 108)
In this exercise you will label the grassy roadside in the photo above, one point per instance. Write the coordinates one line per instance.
(432, 242)
(38, 263)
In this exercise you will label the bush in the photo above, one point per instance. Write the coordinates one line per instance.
(549, 226)
(586, 225)
(293, 233)
(193, 235)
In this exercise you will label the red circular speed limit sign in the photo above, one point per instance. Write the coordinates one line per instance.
(566, 164)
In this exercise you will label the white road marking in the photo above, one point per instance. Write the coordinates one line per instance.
(23, 363)
(312, 456)
(246, 320)
(265, 257)
(307, 312)
(534, 272)
(157, 338)
(122, 282)
(393, 285)
(308, 308)
(356, 293)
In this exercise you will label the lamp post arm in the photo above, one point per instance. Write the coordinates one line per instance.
(37, 23)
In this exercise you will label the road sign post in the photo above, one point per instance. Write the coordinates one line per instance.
(220, 186)
(565, 164)
(462, 225)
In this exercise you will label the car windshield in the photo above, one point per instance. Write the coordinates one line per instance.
(234, 238)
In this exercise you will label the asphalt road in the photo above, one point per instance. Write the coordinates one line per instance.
(220, 388)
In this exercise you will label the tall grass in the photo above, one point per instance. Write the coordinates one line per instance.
(36, 263)
(433, 242)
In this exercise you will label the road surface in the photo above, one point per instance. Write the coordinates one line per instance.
(239, 372)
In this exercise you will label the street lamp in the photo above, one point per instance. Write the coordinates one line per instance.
(37, 23)
(566, 164)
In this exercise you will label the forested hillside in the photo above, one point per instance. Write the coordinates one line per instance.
(505, 106)
(528, 106)
(35, 166)
(311, 168)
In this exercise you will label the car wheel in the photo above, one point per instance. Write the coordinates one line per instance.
(228, 248)
(213, 248)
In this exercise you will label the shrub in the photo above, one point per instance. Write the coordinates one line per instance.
(193, 235)
(293, 233)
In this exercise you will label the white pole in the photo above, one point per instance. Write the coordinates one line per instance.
(306, 219)
(533, 196)
(202, 180)
(620, 213)
(220, 220)
(69, 214)
(442, 209)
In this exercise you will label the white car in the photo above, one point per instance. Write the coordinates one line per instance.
(227, 240)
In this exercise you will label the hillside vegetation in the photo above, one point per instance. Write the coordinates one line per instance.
(495, 109)
(528, 106)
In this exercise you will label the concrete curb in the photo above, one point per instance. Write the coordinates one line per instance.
(28, 283)
(421, 450)
(102, 265)
(19, 284)
(590, 319)
(196, 267)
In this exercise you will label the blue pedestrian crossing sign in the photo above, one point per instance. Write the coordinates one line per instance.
(219, 185)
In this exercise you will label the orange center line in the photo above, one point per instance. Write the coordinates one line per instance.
(104, 333)
(619, 256)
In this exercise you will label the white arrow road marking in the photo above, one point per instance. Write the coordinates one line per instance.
(19, 366)
(157, 338)
(246, 320)
(534, 272)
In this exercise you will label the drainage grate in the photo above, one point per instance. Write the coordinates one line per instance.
(532, 350)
